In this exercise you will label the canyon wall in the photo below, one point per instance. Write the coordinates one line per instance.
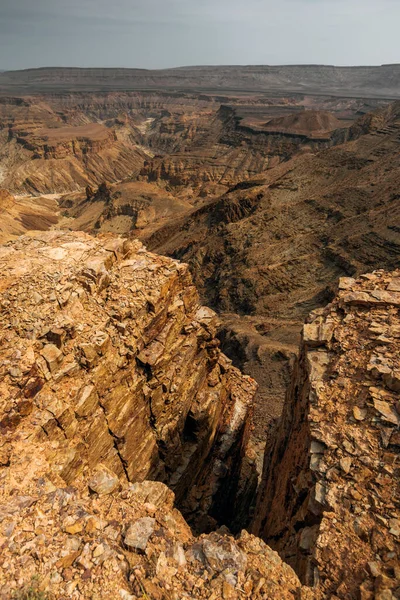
(107, 354)
(112, 384)
(195, 144)
(329, 500)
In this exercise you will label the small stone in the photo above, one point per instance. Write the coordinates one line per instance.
(153, 492)
(394, 285)
(308, 537)
(37, 298)
(67, 561)
(56, 577)
(228, 591)
(345, 464)
(53, 356)
(74, 528)
(124, 595)
(317, 447)
(87, 574)
(386, 411)
(85, 559)
(374, 569)
(346, 283)
(359, 413)
(86, 401)
(93, 524)
(139, 533)
(320, 493)
(394, 527)
(103, 481)
(98, 551)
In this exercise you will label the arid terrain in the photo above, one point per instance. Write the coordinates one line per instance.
(259, 381)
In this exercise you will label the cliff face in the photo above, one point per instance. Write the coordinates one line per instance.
(225, 152)
(108, 356)
(44, 149)
(329, 500)
(188, 142)
(110, 374)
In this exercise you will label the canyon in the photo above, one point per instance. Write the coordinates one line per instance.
(222, 427)
(112, 374)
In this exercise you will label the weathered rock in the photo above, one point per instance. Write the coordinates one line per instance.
(103, 481)
(138, 533)
(133, 378)
(331, 476)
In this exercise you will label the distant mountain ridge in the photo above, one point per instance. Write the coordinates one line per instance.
(365, 81)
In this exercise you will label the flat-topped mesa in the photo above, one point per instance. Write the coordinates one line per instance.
(60, 142)
(108, 358)
(330, 494)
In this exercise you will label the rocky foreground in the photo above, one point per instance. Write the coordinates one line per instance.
(111, 375)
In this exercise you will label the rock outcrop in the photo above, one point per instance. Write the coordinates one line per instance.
(108, 359)
(110, 373)
(112, 384)
(330, 495)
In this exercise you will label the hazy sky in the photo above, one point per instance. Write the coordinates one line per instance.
(166, 33)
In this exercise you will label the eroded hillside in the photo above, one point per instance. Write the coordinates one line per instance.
(271, 250)
(185, 142)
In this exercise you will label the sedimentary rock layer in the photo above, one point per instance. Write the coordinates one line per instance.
(108, 356)
(330, 497)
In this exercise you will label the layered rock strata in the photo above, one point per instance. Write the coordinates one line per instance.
(330, 497)
(108, 358)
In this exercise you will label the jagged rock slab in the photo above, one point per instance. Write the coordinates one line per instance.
(330, 498)
(107, 356)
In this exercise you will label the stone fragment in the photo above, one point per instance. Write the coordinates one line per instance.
(98, 551)
(103, 481)
(387, 412)
(345, 464)
(86, 401)
(153, 492)
(124, 595)
(359, 413)
(315, 334)
(394, 527)
(67, 561)
(228, 591)
(139, 533)
(76, 527)
(308, 537)
(346, 283)
(53, 356)
(222, 553)
(394, 285)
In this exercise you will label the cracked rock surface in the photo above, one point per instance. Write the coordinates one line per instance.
(330, 500)
(108, 359)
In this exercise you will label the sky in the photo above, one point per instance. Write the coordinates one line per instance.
(170, 33)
